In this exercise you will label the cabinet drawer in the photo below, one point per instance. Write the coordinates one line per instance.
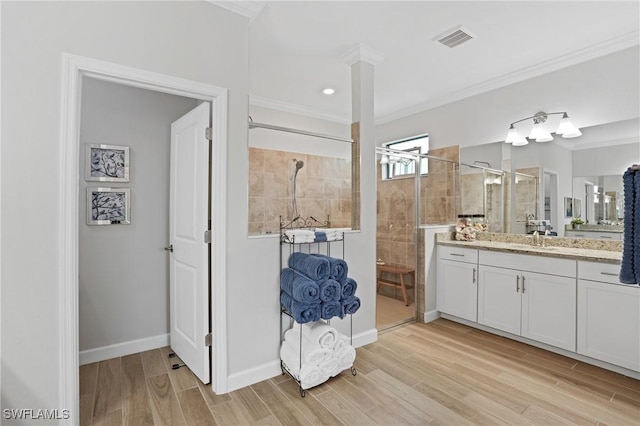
(459, 254)
(527, 262)
(595, 271)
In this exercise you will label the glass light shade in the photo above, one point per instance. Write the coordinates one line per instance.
(512, 135)
(520, 141)
(544, 136)
(573, 134)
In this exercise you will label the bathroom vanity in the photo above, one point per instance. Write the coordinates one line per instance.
(564, 299)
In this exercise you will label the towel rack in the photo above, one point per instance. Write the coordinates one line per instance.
(635, 167)
(291, 247)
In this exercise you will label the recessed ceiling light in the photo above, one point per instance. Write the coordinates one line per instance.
(328, 91)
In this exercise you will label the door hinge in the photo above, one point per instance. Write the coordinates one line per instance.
(208, 339)
(208, 133)
(207, 236)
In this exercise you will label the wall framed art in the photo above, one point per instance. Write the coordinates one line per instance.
(108, 206)
(107, 163)
(568, 207)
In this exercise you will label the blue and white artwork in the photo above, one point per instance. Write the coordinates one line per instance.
(107, 163)
(108, 206)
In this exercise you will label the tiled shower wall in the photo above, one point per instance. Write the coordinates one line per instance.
(323, 188)
(396, 212)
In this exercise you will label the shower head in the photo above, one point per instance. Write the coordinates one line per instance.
(299, 164)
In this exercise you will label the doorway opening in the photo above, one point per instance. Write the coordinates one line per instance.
(410, 210)
(75, 69)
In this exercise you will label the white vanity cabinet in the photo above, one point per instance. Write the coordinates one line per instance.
(457, 292)
(608, 316)
(514, 298)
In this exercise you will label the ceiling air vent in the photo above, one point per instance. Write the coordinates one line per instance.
(454, 37)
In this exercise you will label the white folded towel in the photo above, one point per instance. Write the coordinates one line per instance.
(300, 235)
(312, 352)
(320, 332)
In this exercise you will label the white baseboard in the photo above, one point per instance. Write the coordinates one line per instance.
(124, 348)
(431, 316)
(272, 369)
(253, 375)
(365, 338)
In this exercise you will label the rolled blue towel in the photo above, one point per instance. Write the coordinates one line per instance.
(350, 305)
(330, 290)
(299, 286)
(321, 236)
(349, 288)
(338, 268)
(636, 226)
(301, 312)
(329, 310)
(314, 267)
(630, 255)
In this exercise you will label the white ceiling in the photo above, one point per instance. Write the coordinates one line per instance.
(295, 48)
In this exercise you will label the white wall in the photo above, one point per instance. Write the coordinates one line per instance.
(611, 160)
(193, 40)
(595, 92)
(124, 283)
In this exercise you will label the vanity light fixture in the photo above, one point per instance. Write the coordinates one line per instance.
(538, 132)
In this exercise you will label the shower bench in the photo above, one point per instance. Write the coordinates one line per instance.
(401, 272)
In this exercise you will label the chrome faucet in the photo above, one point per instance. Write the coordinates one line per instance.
(544, 238)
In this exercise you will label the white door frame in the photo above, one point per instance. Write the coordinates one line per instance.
(74, 68)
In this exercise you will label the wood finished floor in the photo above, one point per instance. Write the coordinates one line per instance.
(390, 311)
(441, 373)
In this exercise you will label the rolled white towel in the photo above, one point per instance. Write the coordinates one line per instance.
(290, 359)
(311, 376)
(312, 352)
(341, 343)
(320, 332)
(329, 366)
(308, 375)
(346, 358)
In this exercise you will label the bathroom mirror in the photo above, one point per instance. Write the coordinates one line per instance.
(482, 192)
(601, 199)
(526, 194)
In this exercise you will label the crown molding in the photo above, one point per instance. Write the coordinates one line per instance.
(297, 109)
(592, 52)
(361, 52)
(248, 9)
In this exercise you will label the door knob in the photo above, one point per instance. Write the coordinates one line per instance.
(170, 248)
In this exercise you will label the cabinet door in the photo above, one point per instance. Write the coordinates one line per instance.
(499, 298)
(457, 290)
(609, 323)
(549, 309)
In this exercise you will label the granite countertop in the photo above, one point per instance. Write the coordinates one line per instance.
(556, 247)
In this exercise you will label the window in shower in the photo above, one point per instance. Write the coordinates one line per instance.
(394, 166)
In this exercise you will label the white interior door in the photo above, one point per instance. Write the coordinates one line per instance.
(189, 265)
